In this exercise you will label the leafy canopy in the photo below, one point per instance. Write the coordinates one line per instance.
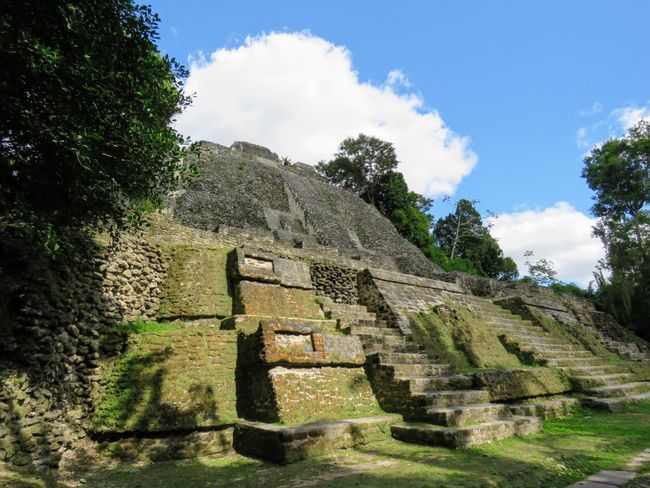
(367, 166)
(85, 131)
(463, 235)
(618, 171)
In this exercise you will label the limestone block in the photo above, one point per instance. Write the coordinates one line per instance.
(287, 444)
(297, 344)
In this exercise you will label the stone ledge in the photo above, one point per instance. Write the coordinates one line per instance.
(287, 444)
(401, 278)
(249, 323)
(532, 302)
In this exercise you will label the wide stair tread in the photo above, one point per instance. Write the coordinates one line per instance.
(620, 390)
(422, 384)
(404, 358)
(451, 398)
(463, 437)
(463, 415)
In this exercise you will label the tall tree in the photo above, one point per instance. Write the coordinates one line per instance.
(618, 171)
(87, 103)
(368, 167)
(462, 234)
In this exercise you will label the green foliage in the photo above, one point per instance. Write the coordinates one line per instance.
(87, 106)
(541, 272)
(618, 172)
(140, 326)
(361, 165)
(571, 289)
(367, 166)
(462, 234)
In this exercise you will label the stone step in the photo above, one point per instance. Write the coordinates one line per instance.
(370, 349)
(542, 347)
(373, 331)
(559, 362)
(585, 382)
(536, 339)
(587, 370)
(509, 322)
(385, 339)
(450, 398)
(465, 415)
(381, 324)
(615, 405)
(291, 443)
(621, 390)
(546, 409)
(422, 384)
(464, 437)
(401, 370)
(561, 353)
(403, 358)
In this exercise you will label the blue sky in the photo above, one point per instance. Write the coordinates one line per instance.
(532, 85)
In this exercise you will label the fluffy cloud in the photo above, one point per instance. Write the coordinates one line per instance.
(559, 233)
(300, 96)
(629, 116)
(618, 121)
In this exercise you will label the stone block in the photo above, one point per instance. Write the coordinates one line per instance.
(274, 300)
(299, 344)
(287, 444)
(172, 446)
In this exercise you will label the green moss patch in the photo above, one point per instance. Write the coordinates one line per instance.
(196, 284)
(456, 335)
(171, 377)
(516, 384)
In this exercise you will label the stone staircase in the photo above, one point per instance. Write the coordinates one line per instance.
(603, 385)
(439, 406)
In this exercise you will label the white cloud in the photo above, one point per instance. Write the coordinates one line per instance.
(597, 107)
(629, 116)
(559, 233)
(300, 96)
(582, 137)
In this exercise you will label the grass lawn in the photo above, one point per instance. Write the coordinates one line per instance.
(569, 450)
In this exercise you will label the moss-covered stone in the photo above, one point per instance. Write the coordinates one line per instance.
(515, 384)
(196, 284)
(456, 335)
(255, 298)
(181, 377)
(183, 446)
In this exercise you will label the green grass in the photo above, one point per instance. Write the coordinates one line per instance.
(569, 450)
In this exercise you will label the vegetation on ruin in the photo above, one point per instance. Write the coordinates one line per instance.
(568, 451)
(618, 171)
(457, 336)
(85, 128)
(367, 166)
(148, 388)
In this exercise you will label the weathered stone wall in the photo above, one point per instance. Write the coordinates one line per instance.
(55, 310)
(336, 282)
(133, 274)
(240, 188)
(291, 372)
(389, 294)
(196, 285)
(172, 377)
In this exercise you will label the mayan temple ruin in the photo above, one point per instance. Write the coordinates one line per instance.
(268, 312)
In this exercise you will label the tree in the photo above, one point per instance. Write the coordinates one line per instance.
(361, 165)
(367, 166)
(542, 272)
(462, 234)
(618, 171)
(85, 131)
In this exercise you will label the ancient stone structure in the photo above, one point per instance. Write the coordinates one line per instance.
(270, 312)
